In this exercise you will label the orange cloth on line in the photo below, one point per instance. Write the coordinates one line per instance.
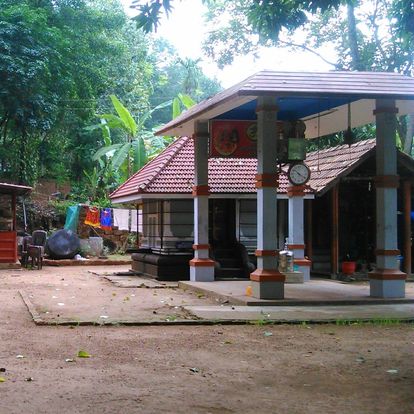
(92, 217)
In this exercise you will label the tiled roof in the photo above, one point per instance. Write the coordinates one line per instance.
(172, 172)
(329, 165)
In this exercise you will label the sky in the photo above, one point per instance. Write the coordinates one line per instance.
(185, 30)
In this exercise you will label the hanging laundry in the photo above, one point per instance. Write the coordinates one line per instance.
(92, 217)
(121, 218)
(72, 218)
(106, 219)
(136, 221)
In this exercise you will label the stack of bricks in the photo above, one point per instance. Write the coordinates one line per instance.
(118, 237)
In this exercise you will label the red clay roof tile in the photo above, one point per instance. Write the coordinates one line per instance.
(172, 171)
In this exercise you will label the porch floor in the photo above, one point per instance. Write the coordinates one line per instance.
(317, 292)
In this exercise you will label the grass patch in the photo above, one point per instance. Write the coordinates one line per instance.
(374, 322)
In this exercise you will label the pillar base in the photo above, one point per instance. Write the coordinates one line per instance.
(202, 270)
(387, 283)
(294, 277)
(267, 284)
(304, 266)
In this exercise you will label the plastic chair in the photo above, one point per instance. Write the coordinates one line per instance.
(36, 250)
(27, 241)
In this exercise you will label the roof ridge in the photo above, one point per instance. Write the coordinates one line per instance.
(178, 145)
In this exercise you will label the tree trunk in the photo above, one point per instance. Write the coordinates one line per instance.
(22, 173)
(356, 63)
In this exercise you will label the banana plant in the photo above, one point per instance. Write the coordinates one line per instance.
(137, 137)
(181, 103)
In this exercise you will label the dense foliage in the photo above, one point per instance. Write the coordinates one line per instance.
(60, 60)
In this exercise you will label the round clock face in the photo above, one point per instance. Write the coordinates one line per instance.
(299, 174)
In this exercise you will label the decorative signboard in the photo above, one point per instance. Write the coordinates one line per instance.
(238, 139)
(235, 139)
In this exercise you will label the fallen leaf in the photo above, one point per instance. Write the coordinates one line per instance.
(392, 371)
(228, 342)
(2, 379)
(268, 333)
(83, 354)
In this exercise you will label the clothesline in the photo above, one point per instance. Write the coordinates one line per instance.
(105, 218)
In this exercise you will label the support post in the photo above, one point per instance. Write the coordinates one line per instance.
(386, 281)
(407, 227)
(335, 231)
(296, 196)
(267, 282)
(201, 266)
(309, 230)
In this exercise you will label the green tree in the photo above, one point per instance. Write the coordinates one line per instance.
(58, 60)
(174, 77)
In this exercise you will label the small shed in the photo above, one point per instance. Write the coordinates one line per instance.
(8, 229)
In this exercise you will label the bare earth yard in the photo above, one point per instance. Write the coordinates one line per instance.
(190, 369)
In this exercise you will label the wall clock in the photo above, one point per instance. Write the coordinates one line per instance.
(299, 173)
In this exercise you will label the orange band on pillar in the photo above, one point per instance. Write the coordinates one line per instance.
(302, 262)
(380, 252)
(201, 190)
(387, 274)
(261, 253)
(296, 191)
(267, 180)
(201, 246)
(202, 262)
(385, 111)
(296, 246)
(387, 181)
(267, 275)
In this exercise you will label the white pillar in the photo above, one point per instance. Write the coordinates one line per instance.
(296, 195)
(267, 282)
(386, 281)
(201, 266)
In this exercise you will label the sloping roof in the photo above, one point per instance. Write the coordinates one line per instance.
(172, 172)
(301, 95)
(7, 188)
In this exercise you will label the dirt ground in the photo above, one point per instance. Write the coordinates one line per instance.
(189, 369)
